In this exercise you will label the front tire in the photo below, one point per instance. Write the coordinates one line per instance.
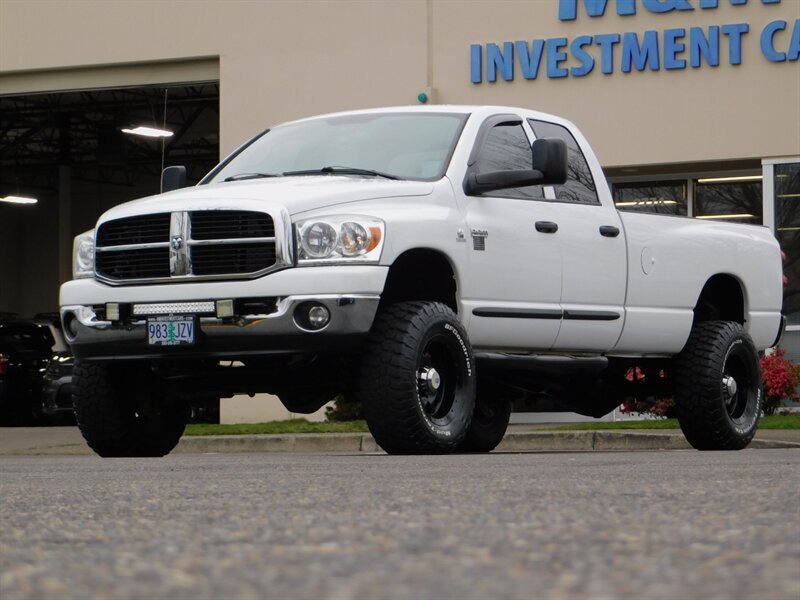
(417, 381)
(119, 414)
(718, 392)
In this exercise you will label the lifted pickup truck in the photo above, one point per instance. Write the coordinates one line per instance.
(436, 263)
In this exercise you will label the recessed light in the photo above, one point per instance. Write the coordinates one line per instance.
(738, 216)
(728, 179)
(18, 200)
(148, 132)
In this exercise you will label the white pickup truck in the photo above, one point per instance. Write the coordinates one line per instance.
(436, 263)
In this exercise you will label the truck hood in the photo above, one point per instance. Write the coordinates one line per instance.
(297, 194)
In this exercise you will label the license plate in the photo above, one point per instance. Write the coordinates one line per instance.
(170, 331)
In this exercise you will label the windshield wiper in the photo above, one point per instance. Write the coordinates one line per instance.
(243, 176)
(343, 171)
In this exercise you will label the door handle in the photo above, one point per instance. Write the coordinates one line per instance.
(546, 226)
(609, 231)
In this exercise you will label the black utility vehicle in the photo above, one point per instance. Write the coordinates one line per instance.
(25, 351)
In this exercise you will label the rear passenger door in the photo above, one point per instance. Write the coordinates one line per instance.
(593, 253)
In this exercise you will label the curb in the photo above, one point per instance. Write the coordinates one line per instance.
(353, 443)
(528, 441)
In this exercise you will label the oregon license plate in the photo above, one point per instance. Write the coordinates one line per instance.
(170, 331)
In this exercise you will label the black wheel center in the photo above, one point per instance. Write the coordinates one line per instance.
(437, 377)
(738, 385)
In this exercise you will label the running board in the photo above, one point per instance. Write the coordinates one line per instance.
(542, 363)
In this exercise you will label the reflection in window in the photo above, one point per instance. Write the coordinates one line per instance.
(580, 183)
(787, 224)
(730, 199)
(506, 148)
(660, 197)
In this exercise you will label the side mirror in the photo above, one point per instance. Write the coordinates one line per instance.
(173, 178)
(550, 158)
(549, 168)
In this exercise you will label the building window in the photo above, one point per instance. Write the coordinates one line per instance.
(736, 199)
(787, 230)
(660, 197)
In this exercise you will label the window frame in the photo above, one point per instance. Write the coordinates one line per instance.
(486, 127)
(553, 188)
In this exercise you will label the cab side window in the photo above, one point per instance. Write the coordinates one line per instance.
(506, 148)
(580, 183)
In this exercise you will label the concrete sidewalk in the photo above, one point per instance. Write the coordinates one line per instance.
(15, 441)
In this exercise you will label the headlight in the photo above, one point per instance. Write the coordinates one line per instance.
(341, 239)
(83, 255)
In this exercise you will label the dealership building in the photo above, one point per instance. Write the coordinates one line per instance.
(692, 106)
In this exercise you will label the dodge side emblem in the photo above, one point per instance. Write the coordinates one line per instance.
(177, 242)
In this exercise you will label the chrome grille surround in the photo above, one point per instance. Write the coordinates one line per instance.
(175, 247)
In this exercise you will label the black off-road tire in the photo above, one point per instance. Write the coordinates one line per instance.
(489, 424)
(110, 416)
(713, 415)
(410, 345)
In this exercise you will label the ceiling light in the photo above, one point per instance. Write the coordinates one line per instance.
(148, 132)
(740, 216)
(730, 179)
(18, 200)
(646, 202)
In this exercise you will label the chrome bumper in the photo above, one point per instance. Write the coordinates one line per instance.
(243, 335)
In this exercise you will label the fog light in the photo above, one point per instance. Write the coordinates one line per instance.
(112, 311)
(318, 316)
(224, 309)
(70, 325)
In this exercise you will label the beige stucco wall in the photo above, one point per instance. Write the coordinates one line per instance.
(279, 60)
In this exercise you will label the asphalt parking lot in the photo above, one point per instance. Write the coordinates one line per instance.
(668, 524)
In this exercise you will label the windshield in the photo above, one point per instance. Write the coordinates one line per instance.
(398, 145)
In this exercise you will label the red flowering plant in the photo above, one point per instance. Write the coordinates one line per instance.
(649, 405)
(781, 378)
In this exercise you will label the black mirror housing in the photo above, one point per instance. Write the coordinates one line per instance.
(480, 183)
(550, 158)
(173, 178)
(549, 168)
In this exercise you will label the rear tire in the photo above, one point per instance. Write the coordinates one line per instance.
(718, 391)
(489, 425)
(118, 419)
(417, 379)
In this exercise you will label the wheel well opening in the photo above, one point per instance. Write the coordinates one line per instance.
(421, 275)
(722, 299)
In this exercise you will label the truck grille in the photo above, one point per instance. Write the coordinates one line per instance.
(186, 245)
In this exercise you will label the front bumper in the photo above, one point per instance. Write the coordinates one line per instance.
(351, 294)
(280, 332)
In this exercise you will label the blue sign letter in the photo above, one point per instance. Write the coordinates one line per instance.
(663, 6)
(702, 46)
(568, 9)
(767, 45)
(735, 33)
(639, 56)
(606, 42)
(586, 59)
(500, 59)
(555, 56)
(794, 45)
(672, 47)
(475, 63)
(530, 57)
(715, 3)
